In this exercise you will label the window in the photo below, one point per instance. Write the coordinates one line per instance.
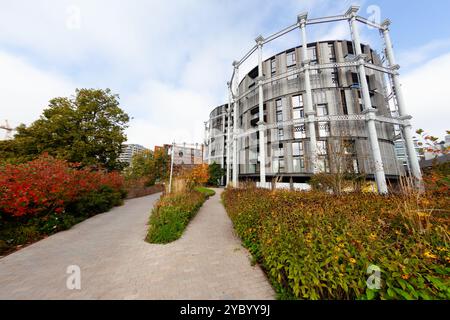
(335, 78)
(279, 116)
(312, 54)
(322, 110)
(355, 79)
(279, 106)
(297, 148)
(349, 147)
(332, 52)
(350, 47)
(278, 161)
(297, 107)
(315, 78)
(291, 59)
(344, 103)
(278, 150)
(324, 129)
(299, 164)
(299, 132)
(273, 65)
(294, 76)
(281, 165)
(322, 148)
(322, 164)
(280, 134)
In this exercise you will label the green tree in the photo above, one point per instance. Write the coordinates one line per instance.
(87, 128)
(162, 164)
(151, 166)
(215, 174)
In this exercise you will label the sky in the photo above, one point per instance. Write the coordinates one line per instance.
(170, 60)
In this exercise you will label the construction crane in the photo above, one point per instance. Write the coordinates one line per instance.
(5, 126)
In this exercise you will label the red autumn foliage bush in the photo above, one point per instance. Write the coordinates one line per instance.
(48, 185)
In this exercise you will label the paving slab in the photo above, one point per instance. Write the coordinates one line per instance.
(115, 262)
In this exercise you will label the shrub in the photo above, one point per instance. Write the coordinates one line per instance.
(196, 176)
(47, 185)
(319, 246)
(172, 214)
(216, 173)
(48, 195)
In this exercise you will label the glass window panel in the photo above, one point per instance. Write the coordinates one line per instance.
(279, 116)
(297, 148)
(324, 129)
(297, 104)
(299, 132)
(291, 59)
(298, 164)
(322, 164)
(312, 54)
(322, 147)
(322, 110)
(279, 104)
(332, 52)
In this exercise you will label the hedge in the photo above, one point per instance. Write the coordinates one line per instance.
(172, 214)
(319, 246)
(47, 195)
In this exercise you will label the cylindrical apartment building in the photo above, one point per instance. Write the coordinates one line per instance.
(320, 107)
(216, 133)
(335, 92)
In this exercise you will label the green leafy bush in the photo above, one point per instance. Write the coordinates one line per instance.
(172, 214)
(215, 174)
(319, 246)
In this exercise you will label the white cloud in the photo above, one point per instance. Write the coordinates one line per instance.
(168, 60)
(428, 97)
(168, 114)
(412, 58)
(25, 90)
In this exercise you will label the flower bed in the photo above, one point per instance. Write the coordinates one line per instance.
(47, 195)
(319, 246)
(172, 214)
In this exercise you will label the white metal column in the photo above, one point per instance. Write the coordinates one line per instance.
(235, 129)
(309, 109)
(172, 155)
(261, 123)
(210, 141)
(407, 129)
(368, 109)
(228, 110)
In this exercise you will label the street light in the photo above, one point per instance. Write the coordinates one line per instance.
(171, 167)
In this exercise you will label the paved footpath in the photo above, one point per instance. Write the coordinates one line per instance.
(208, 262)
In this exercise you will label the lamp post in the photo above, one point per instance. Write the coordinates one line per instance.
(171, 167)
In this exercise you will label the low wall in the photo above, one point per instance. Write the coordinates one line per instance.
(137, 192)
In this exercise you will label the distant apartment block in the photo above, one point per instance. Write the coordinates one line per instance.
(188, 154)
(129, 150)
(184, 154)
(402, 155)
